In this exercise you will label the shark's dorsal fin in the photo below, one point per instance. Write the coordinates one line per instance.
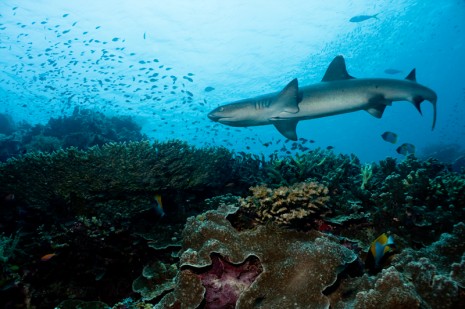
(288, 97)
(336, 70)
(287, 128)
(412, 76)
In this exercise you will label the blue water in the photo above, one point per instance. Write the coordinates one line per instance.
(168, 63)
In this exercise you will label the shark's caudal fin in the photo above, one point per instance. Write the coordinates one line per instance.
(417, 100)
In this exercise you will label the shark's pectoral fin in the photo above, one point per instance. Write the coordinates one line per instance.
(336, 70)
(288, 97)
(287, 128)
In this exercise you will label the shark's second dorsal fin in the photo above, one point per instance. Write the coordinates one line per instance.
(287, 128)
(412, 76)
(336, 70)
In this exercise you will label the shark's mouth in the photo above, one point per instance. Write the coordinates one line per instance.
(217, 118)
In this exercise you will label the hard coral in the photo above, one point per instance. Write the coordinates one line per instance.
(156, 278)
(284, 205)
(297, 266)
(390, 291)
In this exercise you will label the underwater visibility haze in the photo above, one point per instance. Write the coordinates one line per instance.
(151, 152)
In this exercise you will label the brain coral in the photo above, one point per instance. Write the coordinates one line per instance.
(294, 267)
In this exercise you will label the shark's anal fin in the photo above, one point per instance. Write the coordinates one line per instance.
(287, 128)
(288, 97)
(336, 70)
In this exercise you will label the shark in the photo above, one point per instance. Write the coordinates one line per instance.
(337, 93)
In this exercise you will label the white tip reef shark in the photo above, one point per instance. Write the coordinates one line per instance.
(337, 93)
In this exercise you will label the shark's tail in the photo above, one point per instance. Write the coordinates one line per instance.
(434, 111)
(433, 99)
(429, 95)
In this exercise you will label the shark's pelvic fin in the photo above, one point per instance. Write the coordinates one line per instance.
(377, 110)
(336, 70)
(287, 128)
(378, 105)
(288, 97)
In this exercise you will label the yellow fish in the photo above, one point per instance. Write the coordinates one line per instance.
(380, 247)
(159, 206)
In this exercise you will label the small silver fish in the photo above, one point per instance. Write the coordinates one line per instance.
(392, 71)
(360, 18)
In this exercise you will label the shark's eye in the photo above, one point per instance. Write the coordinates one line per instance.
(222, 109)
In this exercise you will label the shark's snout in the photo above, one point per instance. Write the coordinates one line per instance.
(213, 116)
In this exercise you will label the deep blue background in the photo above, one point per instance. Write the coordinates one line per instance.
(155, 60)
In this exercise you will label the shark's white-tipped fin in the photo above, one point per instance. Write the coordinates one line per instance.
(336, 70)
(287, 128)
(377, 106)
(376, 111)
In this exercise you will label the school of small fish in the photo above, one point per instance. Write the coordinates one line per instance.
(50, 64)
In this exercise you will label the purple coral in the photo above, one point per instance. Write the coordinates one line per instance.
(224, 282)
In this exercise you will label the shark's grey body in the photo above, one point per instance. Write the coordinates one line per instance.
(338, 93)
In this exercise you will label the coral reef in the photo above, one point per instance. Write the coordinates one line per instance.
(156, 278)
(83, 129)
(298, 237)
(426, 278)
(304, 201)
(114, 172)
(294, 267)
(7, 126)
(390, 291)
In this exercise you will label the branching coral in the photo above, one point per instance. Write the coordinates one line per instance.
(366, 171)
(8, 246)
(305, 201)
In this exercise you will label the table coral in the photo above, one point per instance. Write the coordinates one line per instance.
(297, 266)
